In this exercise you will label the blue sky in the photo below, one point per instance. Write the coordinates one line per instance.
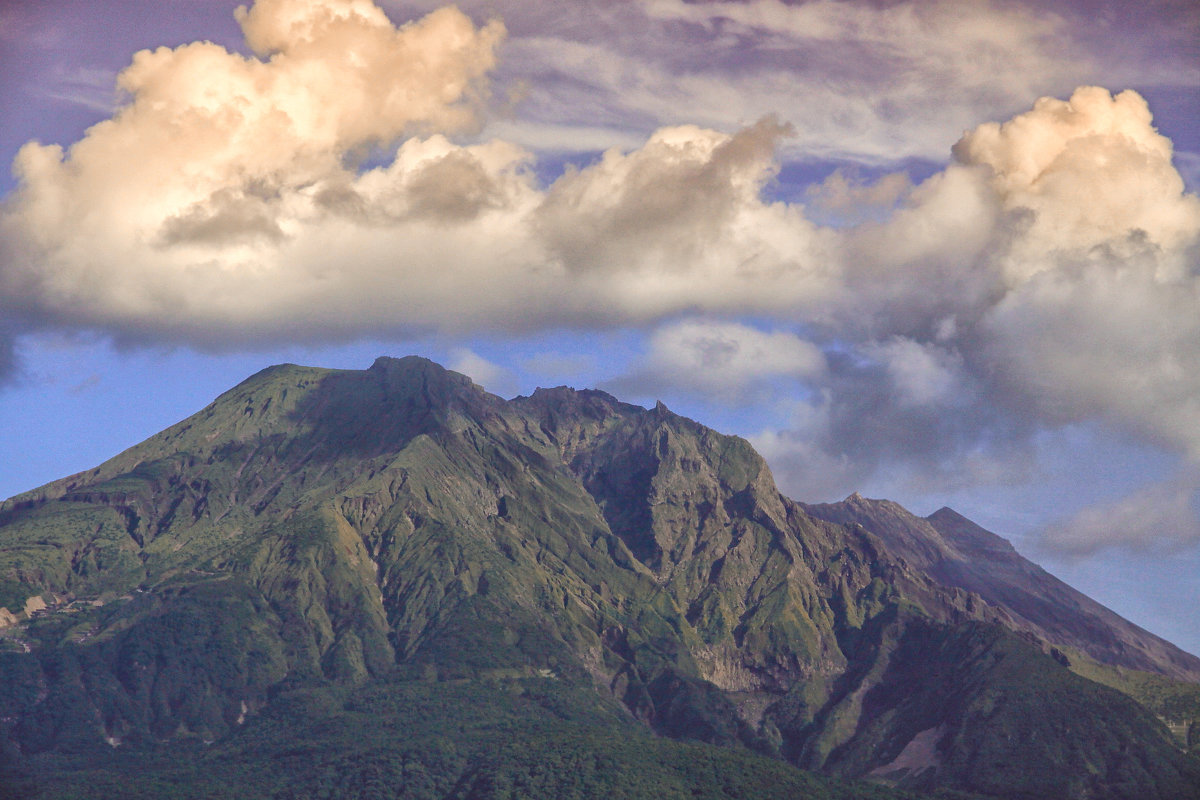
(853, 232)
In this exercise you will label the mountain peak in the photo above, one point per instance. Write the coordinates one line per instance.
(405, 363)
(859, 504)
(417, 370)
(947, 514)
(568, 395)
(967, 536)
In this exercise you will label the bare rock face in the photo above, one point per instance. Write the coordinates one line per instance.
(314, 536)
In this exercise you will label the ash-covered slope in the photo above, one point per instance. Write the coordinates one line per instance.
(957, 552)
(564, 568)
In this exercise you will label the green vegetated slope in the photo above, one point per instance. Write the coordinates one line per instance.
(389, 583)
(425, 739)
(1174, 702)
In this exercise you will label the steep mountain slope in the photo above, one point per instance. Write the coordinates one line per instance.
(957, 552)
(394, 550)
(1077, 631)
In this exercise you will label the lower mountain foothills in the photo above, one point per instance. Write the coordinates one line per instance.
(389, 583)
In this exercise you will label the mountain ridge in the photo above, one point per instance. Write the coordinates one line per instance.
(946, 544)
(342, 531)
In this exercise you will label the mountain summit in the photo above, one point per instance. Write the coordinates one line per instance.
(390, 583)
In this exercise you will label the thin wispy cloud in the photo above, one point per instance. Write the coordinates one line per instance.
(1163, 516)
(870, 82)
(91, 88)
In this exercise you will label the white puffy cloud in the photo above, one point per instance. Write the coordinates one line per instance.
(846, 199)
(1084, 173)
(1059, 255)
(1162, 515)
(920, 374)
(1101, 316)
(1048, 275)
(222, 203)
(201, 202)
(488, 374)
(679, 225)
(727, 361)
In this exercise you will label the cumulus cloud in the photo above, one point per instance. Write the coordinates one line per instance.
(1161, 515)
(196, 204)
(1100, 317)
(1050, 276)
(845, 199)
(903, 413)
(491, 376)
(222, 203)
(728, 361)
(337, 184)
(1085, 173)
(679, 224)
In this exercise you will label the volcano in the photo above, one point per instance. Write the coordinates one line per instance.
(390, 583)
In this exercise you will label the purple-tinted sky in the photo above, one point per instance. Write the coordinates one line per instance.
(849, 231)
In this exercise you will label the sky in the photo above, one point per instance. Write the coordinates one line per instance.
(943, 252)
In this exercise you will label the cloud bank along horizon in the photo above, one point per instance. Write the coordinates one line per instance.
(338, 183)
